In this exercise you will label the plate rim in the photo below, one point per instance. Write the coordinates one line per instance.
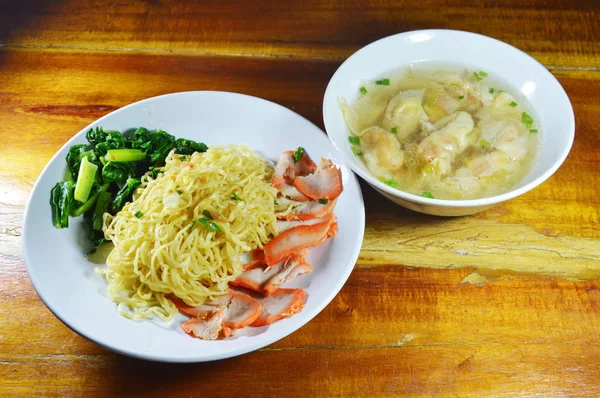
(252, 346)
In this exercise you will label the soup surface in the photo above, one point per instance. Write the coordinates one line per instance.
(443, 132)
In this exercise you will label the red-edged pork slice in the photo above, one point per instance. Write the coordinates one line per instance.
(265, 279)
(294, 239)
(256, 275)
(288, 272)
(325, 183)
(290, 191)
(306, 210)
(241, 311)
(206, 329)
(202, 310)
(284, 225)
(281, 304)
(287, 170)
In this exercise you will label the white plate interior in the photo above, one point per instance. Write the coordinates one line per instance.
(548, 99)
(68, 284)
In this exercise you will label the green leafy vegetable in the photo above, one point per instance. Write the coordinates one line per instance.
(106, 172)
(533, 131)
(85, 180)
(298, 154)
(125, 155)
(356, 151)
(102, 202)
(513, 104)
(383, 82)
(138, 214)
(124, 194)
(394, 130)
(427, 194)
(235, 197)
(323, 201)
(62, 202)
(188, 147)
(363, 90)
(354, 140)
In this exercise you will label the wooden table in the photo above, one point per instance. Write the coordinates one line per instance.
(503, 303)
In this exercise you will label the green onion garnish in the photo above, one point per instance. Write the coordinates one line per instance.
(394, 130)
(363, 90)
(390, 182)
(210, 225)
(513, 104)
(480, 75)
(533, 131)
(235, 197)
(276, 203)
(298, 154)
(356, 151)
(207, 214)
(383, 82)
(138, 214)
(354, 140)
(491, 90)
(526, 119)
(461, 97)
(427, 194)
(323, 201)
(180, 192)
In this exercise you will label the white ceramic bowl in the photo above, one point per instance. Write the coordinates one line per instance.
(552, 108)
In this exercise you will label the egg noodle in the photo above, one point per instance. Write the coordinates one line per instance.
(185, 231)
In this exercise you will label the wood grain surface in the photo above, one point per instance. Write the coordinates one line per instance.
(502, 303)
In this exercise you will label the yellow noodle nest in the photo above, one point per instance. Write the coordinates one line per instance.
(165, 252)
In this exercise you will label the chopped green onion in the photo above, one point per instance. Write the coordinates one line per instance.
(354, 140)
(210, 225)
(356, 151)
(235, 197)
(491, 90)
(276, 203)
(383, 82)
(323, 201)
(391, 183)
(533, 131)
(427, 194)
(138, 214)
(513, 104)
(298, 154)
(182, 157)
(125, 155)
(482, 73)
(207, 214)
(526, 119)
(485, 144)
(180, 192)
(363, 90)
(394, 130)
(461, 97)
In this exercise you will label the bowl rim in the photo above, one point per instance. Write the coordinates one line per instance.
(461, 203)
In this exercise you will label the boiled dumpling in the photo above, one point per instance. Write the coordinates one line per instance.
(441, 147)
(382, 152)
(405, 113)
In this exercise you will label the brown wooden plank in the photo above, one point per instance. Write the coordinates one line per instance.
(507, 370)
(558, 33)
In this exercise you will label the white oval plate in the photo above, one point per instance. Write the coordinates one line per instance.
(67, 283)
